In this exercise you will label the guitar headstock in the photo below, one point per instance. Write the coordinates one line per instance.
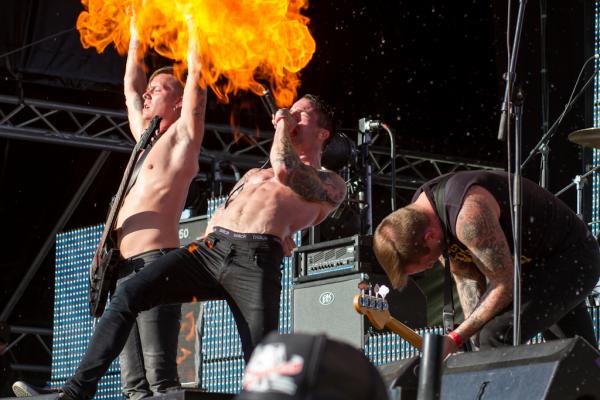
(374, 307)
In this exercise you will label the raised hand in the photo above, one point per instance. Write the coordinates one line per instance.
(283, 115)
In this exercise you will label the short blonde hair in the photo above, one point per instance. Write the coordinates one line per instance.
(398, 240)
(176, 83)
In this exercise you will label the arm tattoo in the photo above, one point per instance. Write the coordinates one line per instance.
(470, 285)
(469, 293)
(288, 156)
(478, 228)
(310, 184)
(486, 239)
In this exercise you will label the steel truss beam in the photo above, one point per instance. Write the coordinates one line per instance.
(22, 332)
(104, 129)
(415, 168)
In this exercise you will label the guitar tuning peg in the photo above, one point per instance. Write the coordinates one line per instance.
(363, 286)
(383, 291)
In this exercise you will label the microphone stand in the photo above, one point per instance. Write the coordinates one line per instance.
(545, 149)
(517, 220)
(579, 182)
(507, 111)
(542, 145)
(512, 66)
(365, 194)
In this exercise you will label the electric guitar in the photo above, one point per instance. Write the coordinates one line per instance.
(377, 311)
(102, 276)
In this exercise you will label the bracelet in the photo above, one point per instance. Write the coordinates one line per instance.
(458, 341)
(279, 118)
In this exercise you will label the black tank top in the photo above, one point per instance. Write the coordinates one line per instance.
(548, 224)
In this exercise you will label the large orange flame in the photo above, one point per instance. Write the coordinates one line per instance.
(243, 41)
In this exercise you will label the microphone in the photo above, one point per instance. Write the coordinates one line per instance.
(369, 125)
(268, 102)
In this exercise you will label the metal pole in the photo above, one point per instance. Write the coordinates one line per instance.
(512, 68)
(30, 330)
(579, 183)
(30, 368)
(544, 150)
(365, 194)
(430, 371)
(517, 228)
(37, 262)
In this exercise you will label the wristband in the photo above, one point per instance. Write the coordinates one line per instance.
(279, 118)
(458, 341)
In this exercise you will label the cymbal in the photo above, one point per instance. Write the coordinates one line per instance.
(589, 137)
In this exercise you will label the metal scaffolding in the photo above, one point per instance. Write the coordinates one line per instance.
(104, 129)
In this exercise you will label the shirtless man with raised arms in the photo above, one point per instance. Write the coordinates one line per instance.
(147, 223)
(240, 257)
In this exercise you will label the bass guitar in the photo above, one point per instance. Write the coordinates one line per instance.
(377, 311)
(102, 276)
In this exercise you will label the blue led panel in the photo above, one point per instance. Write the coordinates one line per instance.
(596, 123)
(73, 325)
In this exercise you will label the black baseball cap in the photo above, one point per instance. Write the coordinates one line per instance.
(310, 367)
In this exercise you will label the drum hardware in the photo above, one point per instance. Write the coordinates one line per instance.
(589, 137)
(579, 182)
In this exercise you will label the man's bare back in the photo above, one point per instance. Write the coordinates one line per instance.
(151, 211)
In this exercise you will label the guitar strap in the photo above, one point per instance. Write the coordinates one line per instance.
(440, 209)
(136, 170)
(138, 165)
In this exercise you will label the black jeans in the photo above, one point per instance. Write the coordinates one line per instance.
(149, 359)
(243, 269)
(553, 296)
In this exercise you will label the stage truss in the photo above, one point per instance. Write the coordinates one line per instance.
(105, 129)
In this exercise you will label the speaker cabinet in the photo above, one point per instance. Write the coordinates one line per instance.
(326, 306)
(192, 394)
(401, 378)
(561, 369)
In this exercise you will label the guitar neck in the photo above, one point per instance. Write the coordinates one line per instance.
(405, 332)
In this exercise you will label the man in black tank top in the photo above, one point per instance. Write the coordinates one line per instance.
(560, 257)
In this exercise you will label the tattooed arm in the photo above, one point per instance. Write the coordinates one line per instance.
(470, 285)
(478, 228)
(314, 185)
